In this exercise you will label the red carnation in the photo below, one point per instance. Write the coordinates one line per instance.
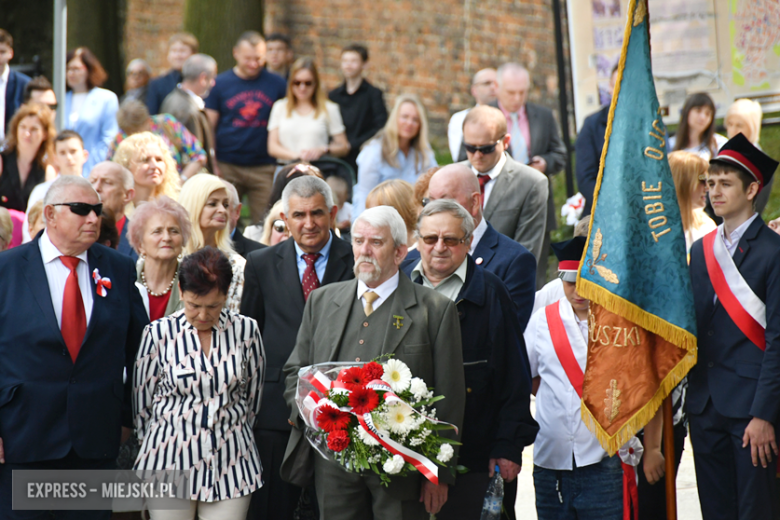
(362, 400)
(373, 371)
(338, 440)
(352, 377)
(331, 419)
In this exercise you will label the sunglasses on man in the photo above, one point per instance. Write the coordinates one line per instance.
(448, 241)
(82, 209)
(484, 149)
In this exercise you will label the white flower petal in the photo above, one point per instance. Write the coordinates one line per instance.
(397, 375)
(393, 466)
(445, 453)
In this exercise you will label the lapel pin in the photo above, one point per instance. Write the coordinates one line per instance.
(479, 260)
(398, 321)
(101, 284)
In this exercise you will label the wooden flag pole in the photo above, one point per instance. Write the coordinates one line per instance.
(669, 459)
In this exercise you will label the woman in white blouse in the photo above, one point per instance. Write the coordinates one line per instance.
(207, 201)
(696, 132)
(689, 171)
(305, 125)
(197, 389)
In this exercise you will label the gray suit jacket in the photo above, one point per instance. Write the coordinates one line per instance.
(180, 105)
(428, 342)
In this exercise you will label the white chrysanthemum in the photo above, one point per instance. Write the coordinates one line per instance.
(397, 375)
(418, 388)
(399, 418)
(367, 439)
(445, 453)
(393, 466)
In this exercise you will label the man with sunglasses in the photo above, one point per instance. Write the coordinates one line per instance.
(497, 423)
(513, 195)
(72, 320)
(40, 90)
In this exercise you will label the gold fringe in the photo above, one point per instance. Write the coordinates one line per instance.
(612, 444)
(630, 311)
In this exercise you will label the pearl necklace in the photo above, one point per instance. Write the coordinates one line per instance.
(166, 291)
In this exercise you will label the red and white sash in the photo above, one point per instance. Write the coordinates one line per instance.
(741, 303)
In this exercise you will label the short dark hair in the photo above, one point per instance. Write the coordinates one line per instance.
(251, 37)
(204, 270)
(108, 232)
(96, 74)
(279, 37)
(719, 167)
(6, 38)
(68, 134)
(356, 47)
(37, 83)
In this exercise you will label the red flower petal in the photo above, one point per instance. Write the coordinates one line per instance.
(352, 377)
(331, 419)
(338, 440)
(372, 371)
(362, 400)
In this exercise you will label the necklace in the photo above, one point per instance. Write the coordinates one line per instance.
(166, 291)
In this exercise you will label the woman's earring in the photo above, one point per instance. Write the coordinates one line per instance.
(181, 255)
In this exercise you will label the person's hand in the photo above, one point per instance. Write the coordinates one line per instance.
(774, 225)
(2, 452)
(126, 432)
(313, 154)
(538, 163)
(760, 434)
(653, 464)
(434, 496)
(509, 470)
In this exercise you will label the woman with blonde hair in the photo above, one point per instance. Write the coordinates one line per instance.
(207, 201)
(689, 171)
(153, 168)
(274, 228)
(399, 195)
(399, 151)
(305, 125)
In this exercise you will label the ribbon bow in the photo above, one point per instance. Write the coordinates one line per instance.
(101, 283)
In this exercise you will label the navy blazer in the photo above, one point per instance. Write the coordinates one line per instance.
(510, 261)
(49, 405)
(159, 88)
(124, 246)
(14, 94)
(588, 147)
(497, 422)
(741, 380)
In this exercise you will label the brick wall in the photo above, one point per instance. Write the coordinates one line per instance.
(148, 25)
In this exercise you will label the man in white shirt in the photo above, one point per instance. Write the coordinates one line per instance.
(12, 83)
(573, 476)
(483, 88)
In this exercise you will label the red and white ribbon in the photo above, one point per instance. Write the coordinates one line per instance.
(101, 283)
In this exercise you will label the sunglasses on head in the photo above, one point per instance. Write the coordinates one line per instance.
(82, 208)
(279, 226)
(307, 83)
(484, 149)
(448, 241)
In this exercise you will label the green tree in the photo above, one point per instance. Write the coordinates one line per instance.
(99, 25)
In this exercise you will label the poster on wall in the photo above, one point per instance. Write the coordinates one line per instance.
(727, 48)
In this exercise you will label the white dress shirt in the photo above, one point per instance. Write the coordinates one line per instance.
(57, 274)
(3, 86)
(733, 239)
(561, 430)
(383, 291)
(196, 98)
(477, 235)
(493, 175)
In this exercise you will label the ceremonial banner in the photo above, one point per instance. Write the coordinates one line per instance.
(634, 269)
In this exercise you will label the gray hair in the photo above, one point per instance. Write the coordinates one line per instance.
(139, 61)
(198, 64)
(128, 182)
(235, 200)
(306, 187)
(511, 68)
(384, 216)
(453, 208)
(56, 192)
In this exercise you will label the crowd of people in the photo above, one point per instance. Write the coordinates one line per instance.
(141, 328)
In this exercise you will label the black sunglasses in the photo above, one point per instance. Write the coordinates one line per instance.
(304, 83)
(279, 226)
(484, 149)
(448, 241)
(82, 208)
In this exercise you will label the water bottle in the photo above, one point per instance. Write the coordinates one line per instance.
(494, 498)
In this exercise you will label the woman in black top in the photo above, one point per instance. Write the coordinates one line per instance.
(29, 145)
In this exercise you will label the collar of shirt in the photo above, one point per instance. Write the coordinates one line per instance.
(50, 253)
(520, 114)
(479, 232)
(383, 291)
(733, 240)
(496, 169)
(224, 318)
(583, 325)
(5, 74)
(196, 98)
(450, 286)
(319, 265)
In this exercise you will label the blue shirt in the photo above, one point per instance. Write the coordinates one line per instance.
(244, 106)
(319, 265)
(373, 170)
(96, 124)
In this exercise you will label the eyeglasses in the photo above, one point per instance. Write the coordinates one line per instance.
(52, 106)
(279, 226)
(304, 83)
(483, 83)
(448, 241)
(484, 149)
(82, 208)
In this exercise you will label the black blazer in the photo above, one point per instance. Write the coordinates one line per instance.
(243, 245)
(49, 405)
(124, 246)
(588, 147)
(14, 94)
(159, 88)
(741, 380)
(273, 296)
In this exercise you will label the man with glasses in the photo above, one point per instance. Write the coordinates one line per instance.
(72, 320)
(513, 195)
(483, 88)
(40, 90)
(277, 282)
(497, 424)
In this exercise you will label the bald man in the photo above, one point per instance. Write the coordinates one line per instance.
(483, 88)
(491, 250)
(115, 185)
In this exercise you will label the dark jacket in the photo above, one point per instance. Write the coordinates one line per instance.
(273, 296)
(741, 380)
(159, 88)
(124, 244)
(497, 422)
(14, 94)
(243, 245)
(364, 114)
(588, 147)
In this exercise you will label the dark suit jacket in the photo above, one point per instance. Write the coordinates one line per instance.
(14, 94)
(588, 147)
(124, 246)
(273, 296)
(243, 245)
(497, 421)
(509, 261)
(160, 87)
(48, 404)
(741, 380)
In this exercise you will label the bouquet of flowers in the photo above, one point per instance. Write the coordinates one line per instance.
(373, 416)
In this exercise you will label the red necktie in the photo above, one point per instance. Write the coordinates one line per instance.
(74, 319)
(310, 280)
(483, 180)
